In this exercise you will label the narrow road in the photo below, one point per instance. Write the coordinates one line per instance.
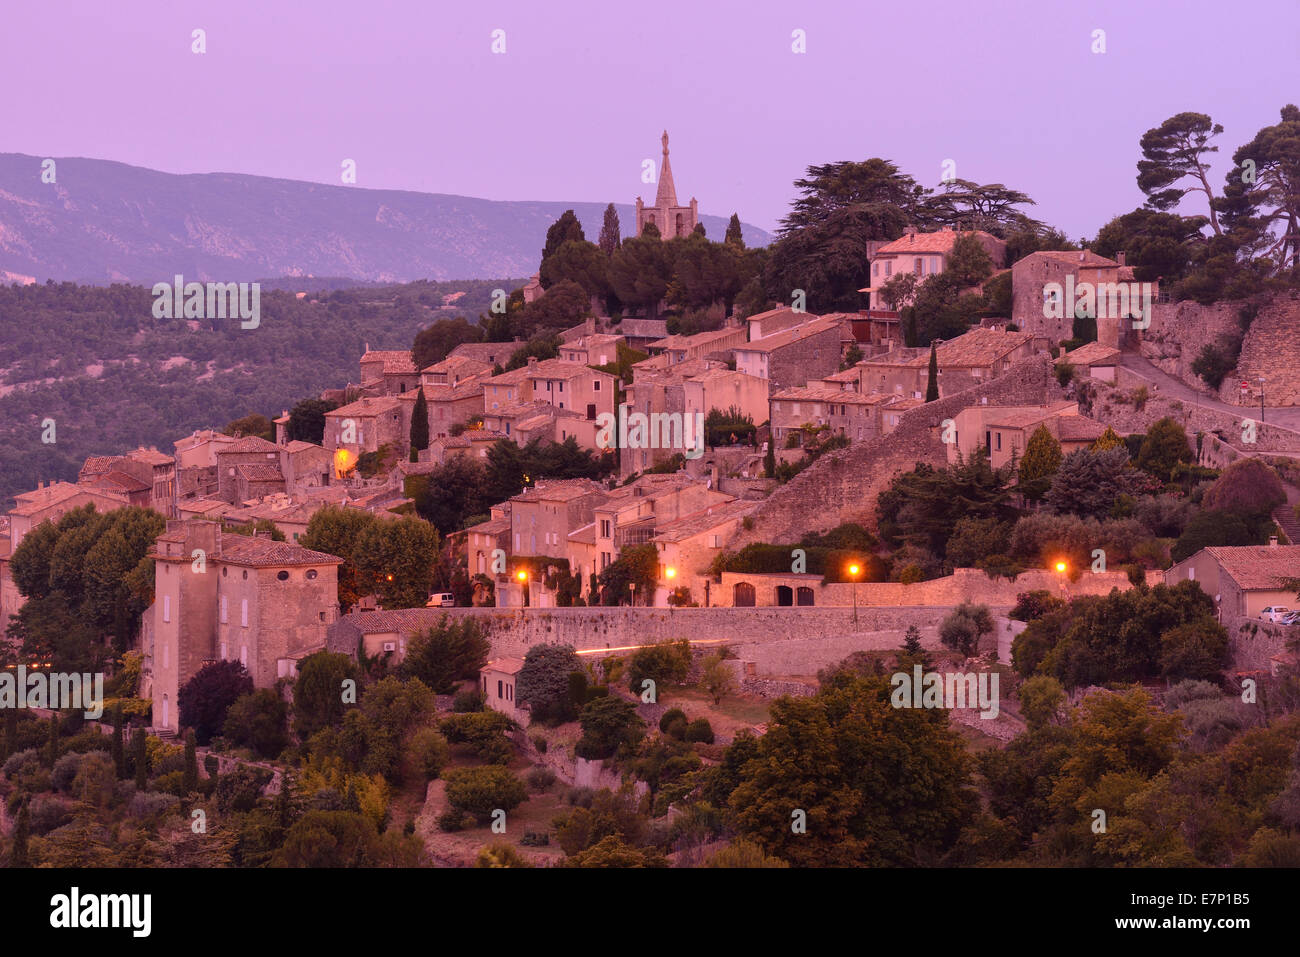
(1287, 417)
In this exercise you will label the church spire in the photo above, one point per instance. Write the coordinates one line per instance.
(666, 196)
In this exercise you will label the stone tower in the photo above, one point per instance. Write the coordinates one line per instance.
(669, 218)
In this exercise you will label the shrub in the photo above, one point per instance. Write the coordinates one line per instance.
(148, 804)
(607, 724)
(539, 743)
(241, 789)
(483, 731)
(447, 652)
(663, 663)
(962, 629)
(700, 730)
(426, 754)
(669, 717)
(543, 682)
(480, 791)
(453, 820)
(48, 813)
(258, 721)
(539, 779)
(65, 771)
(207, 697)
(533, 839)
(471, 699)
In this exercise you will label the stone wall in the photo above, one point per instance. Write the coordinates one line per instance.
(842, 486)
(965, 584)
(1179, 330)
(1253, 643)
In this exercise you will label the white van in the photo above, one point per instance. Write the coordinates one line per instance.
(444, 600)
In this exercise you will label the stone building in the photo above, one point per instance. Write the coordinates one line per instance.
(388, 372)
(223, 596)
(1242, 579)
(365, 425)
(497, 680)
(970, 359)
(249, 469)
(688, 546)
(1003, 432)
(1031, 293)
(923, 254)
(665, 215)
(788, 359)
(846, 412)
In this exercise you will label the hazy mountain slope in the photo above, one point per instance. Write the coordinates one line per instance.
(103, 221)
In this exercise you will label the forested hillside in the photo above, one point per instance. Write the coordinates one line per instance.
(111, 376)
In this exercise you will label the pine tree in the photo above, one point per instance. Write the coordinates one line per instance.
(610, 239)
(419, 425)
(190, 782)
(932, 384)
(1109, 440)
(18, 853)
(735, 237)
(118, 749)
(140, 759)
(1042, 460)
(563, 230)
(912, 640)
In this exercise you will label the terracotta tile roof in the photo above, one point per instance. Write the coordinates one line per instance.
(395, 361)
(1018, 416)
(1074, 257)
(30, 503)
(102, 463)
(583, 536)
(1091, 354)
(643, 328)
(250, 444)
(297, 445)
(127, 483)
(937, 242)
(1258, 567)
(700, 522)
(903, 403)
(205, 506)
(559, 369)
(150, 457)
(699, 339)
(261, 473)
(264, 553)
(492, 353)
(976, 348)
(785, 337)
(505, 666)
(464, 389)
(1079, 428)
(464, 365)
(406, 620)
(564, 490)
(493, 526)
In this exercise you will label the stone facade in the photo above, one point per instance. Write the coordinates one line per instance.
(225, 596)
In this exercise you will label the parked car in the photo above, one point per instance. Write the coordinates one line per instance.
(444, 600)
(1274, 613)
(1291, 618)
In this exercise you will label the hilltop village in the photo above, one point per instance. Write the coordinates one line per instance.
(567, 594)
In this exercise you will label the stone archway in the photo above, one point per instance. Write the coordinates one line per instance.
(784, 596)
(743, 593)
(805, 596)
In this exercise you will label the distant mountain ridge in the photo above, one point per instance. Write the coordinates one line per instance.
(102, 221)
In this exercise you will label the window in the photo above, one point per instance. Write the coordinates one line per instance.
(224, 619)
(243, 655)
(167, 607)
(595, 385)
(500, 692)
(243, 613)
(561, 386)
(282, 576)
(875, 269)
(311, 572)
(889, 267)
(918, 266)
(604, 528)
(999, 441)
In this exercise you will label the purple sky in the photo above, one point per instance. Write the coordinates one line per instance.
(411, 91)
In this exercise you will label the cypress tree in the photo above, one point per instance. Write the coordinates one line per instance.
(18, 853)
(190, 782)
(52, 746)
(11, 732)
(769, 457)
(734, 237)
(140, 756)
(932, 384)
(419, 425)
(118, 749)
(912, 640)
(610, 240)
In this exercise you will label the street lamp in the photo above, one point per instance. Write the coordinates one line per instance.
(1261, 400)
(632, 585)
(522, 575)
(854, 571)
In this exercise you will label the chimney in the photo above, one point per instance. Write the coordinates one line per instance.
(1120, 257)
(1272, 541)
(1081, 256)
(532, 360)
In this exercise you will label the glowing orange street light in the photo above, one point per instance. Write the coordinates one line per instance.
(670, 572)
(854, 571)
(522, 576)
(1060, 566)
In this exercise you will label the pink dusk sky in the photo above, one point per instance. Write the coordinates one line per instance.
(412, 92)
